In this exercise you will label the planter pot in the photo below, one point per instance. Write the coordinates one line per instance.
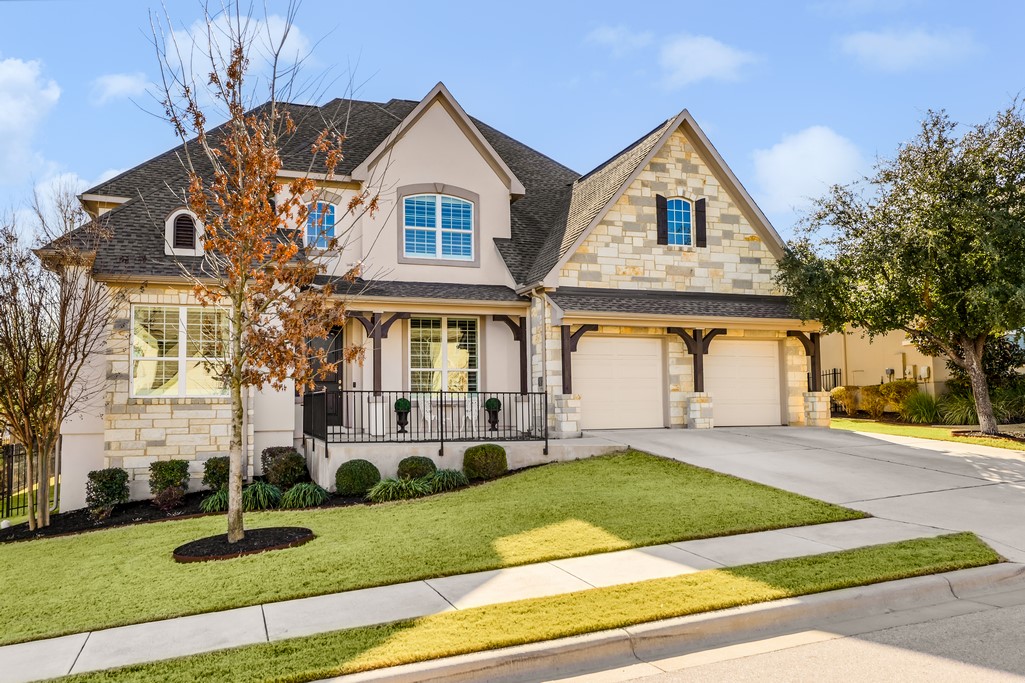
(402, 419)
(493, 420)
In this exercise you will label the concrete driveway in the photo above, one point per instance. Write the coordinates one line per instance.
(933, 483)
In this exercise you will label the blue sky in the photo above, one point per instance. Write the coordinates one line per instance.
(794, 99)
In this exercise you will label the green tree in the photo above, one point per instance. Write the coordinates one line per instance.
(933, 243)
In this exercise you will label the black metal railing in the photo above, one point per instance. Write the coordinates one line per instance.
(13, 481)
(431, 416)
(831, 379)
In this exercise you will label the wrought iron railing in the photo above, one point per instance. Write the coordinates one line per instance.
(432, 416)
(13, 480)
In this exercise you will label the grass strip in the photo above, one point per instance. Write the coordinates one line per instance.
(126, 575)
(921, 432)
(528, 621)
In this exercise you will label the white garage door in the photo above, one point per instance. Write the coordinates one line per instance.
(619, 380)
(742, 378)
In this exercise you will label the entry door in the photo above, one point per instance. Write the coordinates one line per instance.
(619, 380)
(743, 380)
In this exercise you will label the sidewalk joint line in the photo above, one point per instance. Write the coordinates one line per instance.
(266, 632)
(74, 663)
(427, 581)
(566, 571)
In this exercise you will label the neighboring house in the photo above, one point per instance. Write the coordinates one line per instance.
(862, 361)
(640, 294)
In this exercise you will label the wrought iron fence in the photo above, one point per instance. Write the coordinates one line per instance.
(434, 416)
(13, 481)
(831, 379)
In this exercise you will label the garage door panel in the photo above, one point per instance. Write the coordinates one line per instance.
(743, 378)
(619, 380)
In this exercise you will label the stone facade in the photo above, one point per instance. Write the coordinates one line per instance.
(699, 411)
(566, 416)
(622, 251)
(816, 408)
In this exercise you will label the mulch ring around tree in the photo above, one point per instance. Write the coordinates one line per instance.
(1009, 436)
(255, 541)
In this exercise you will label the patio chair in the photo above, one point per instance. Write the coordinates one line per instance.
(472, 407)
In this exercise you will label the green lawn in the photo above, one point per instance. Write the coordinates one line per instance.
(126, 575)
(527, 621)
(919, 431)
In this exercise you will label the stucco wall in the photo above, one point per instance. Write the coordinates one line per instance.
(622, 251)
(863, 361)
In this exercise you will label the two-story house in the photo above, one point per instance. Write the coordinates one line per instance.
(640, 294)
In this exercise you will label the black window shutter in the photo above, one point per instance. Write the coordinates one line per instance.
(661, 219)
(700, 237)
(184, 232)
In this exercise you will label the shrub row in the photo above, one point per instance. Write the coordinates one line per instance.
(918, 407)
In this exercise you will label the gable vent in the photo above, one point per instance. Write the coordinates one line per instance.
(184, 232)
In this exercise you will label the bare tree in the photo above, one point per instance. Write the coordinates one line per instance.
(256, 267)
(53, 318)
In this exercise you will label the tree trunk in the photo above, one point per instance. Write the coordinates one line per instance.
(43, 490)
(980, 388)
(236, 531)
(30, 482)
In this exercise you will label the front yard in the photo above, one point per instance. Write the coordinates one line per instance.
(921, 432)
(126, 575)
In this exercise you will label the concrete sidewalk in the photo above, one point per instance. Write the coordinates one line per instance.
(275, 621)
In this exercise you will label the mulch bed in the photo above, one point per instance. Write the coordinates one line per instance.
(1018, 437)
(136, 512)
(255, 541)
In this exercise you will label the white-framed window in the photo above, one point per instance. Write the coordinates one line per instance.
(678, 214)
(444, 354)
(437, 226)
(320, 225)
(183, 234)
(176, 349)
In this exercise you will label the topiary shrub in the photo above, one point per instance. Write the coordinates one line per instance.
(287, 469)
(218, 502)
(896, 391)
(920, 408)
(483, 462)
(416, 467)
(304, 495)
(270, 454)
(846, 397)
(215, 473)
(260, 495)
(399, 489)
(872, 401)
(166, 474)
(402, 405)
(105, 489)
(446, 480)
(356, 477)
(492, 404)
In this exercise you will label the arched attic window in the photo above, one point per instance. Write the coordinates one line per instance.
(182, 234)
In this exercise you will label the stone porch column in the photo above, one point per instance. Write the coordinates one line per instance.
(816, 408)
(567, 416)
(698, 410)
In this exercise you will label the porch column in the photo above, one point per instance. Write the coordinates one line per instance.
(377, 329)
(569, 345)
(812, 347)
(697, 346)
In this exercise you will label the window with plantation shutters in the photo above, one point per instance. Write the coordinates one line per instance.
(184, 232)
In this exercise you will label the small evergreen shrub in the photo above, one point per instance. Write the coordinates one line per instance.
(447, 480)
(260, 495)
(416, 467)
(304, 495)
(402, 405)
(166, 474)
(399, 489)
(287, 469)
(492, 404)
(215, 473)
(217, 502)
(872, 401)
(105, 489)
(920, 408)
(169, 498)
(483, 462)
(896, 391)
(270, 454)
(1010, 401)
(847, 398)
(356, 477)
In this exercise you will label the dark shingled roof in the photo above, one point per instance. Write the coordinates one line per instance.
(682, 304)
(420, 290)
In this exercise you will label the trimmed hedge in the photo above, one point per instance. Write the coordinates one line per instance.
(416, 467)
(167, 474)
(486, 461)
(105, 489)
(356, 477)
(286, 469)
(215, 472)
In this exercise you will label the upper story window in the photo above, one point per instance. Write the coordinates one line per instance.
(678, 214)
(175, 350)
(320, 225)
(182, 234)
(437, 226)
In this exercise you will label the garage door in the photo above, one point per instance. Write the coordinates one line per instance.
(743, 379)
(619, 380)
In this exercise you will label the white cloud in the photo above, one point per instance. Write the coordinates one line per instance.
(619, 39)
(689, 59)
(802, 166)
(47, 190)
(25, 99)
(116, 86)
(894, 51)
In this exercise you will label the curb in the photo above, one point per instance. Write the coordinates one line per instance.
(684, 635)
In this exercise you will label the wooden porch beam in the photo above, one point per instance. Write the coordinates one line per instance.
(519, 333)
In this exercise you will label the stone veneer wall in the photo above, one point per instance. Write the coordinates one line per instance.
(137, 431)
(622, 251)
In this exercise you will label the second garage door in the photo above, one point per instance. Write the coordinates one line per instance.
(619, 380)
(743, 379)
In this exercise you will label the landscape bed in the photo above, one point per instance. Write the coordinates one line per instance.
(561, 510)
